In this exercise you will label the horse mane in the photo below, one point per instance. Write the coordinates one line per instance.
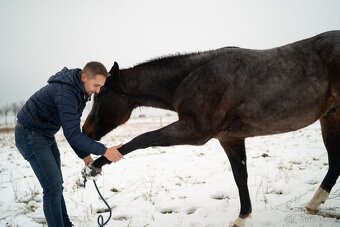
(173, 58)
(167, 59)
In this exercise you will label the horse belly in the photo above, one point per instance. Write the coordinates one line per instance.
(238, 127)
(282, 113)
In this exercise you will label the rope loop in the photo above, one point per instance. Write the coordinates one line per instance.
(100, 219)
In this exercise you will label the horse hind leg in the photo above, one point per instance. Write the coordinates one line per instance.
(235, 150)
(319, 197)
(330, 126)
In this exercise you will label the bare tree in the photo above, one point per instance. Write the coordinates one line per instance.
(15, 107)
(5, 111)
(1, 113)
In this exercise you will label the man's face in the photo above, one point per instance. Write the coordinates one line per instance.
(94, 84)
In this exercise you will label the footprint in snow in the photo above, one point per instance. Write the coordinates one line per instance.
(220, 196)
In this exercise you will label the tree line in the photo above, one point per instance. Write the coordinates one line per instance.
(10, 110)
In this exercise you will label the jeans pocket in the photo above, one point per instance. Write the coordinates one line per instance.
(20, 142)
(23, 137)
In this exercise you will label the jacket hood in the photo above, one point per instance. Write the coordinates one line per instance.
(69, 76)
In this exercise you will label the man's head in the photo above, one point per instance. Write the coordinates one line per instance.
(93, 76)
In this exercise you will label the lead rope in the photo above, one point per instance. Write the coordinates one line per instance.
(100, 219)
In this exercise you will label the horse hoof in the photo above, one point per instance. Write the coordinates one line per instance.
(311, 211)
(235, 225)
(239, 222)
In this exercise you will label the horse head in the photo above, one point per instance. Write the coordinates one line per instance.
(111, 107)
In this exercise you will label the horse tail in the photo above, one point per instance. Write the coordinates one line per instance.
(335, 54)
(334, 61)
(327, 45)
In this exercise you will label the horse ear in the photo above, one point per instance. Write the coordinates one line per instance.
(114, 71)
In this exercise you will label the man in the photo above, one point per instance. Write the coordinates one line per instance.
(59, 104)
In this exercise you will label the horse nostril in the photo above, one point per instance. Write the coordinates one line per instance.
(90, 133)
(86, 129)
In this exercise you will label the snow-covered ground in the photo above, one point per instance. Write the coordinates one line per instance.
(178, 186)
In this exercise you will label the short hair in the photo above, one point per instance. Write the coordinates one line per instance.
(93, 68)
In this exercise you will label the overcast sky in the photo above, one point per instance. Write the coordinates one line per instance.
(40, 37)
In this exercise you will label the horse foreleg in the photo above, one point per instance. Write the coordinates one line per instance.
(330, 125)
(235, 149)
(178, 133)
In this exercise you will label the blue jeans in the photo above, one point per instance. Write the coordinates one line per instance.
(44, 157)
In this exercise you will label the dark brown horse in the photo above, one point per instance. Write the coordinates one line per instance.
(231, 94)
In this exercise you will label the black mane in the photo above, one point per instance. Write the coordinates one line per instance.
(168, 59)
(178, 57)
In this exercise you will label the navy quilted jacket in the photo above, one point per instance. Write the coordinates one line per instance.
(60, 104)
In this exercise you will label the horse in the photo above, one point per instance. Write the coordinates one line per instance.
(231, 94)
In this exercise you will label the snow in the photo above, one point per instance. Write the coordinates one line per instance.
(178, 186)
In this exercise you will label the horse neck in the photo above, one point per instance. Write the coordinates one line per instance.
(154, 83)
(149, 87)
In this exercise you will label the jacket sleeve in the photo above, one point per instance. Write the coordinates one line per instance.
(81, 154)
(67, 107)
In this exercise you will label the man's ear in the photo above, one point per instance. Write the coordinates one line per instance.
(114, 71)
(83, 77)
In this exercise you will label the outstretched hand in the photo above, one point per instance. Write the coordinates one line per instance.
(113, 154)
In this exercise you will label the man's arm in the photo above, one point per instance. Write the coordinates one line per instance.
(66, 104)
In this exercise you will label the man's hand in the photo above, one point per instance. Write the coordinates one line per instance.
(88, 160)
(113, 154)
